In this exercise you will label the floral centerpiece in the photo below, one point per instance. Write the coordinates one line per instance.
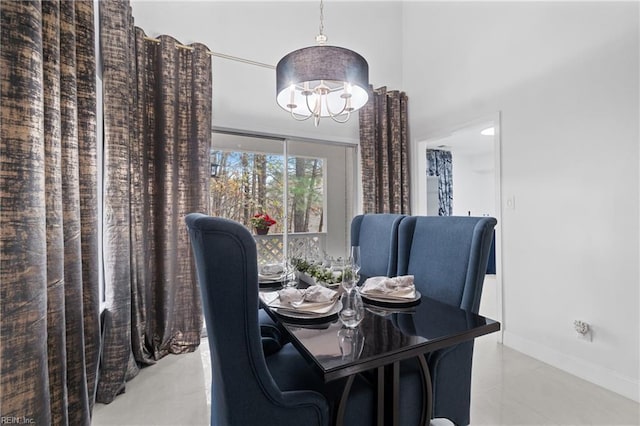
(319, 273)
(261, 222)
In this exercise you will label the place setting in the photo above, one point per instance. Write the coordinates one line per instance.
(390, 292)
(314, 303)
(272, 275)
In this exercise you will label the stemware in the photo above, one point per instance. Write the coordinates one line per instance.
(349, 279)
(351, 342)
(352, 311)
(355, 259)
(326, 261)
(289, 273)
(313, 254)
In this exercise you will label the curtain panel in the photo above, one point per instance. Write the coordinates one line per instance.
(384, 150)
(440, 164)
(157, 129)
(49, 337)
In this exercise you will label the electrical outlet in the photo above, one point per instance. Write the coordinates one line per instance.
(583, 329)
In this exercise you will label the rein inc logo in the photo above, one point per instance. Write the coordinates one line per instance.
(20, 420)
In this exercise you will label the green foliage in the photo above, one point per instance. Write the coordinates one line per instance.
(317, 272)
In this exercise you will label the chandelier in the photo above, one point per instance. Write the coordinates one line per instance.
(322, 81)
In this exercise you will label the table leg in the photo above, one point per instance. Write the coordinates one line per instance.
(342, 405)
(393, 394)
(388, 386)
(389, 375)
(427, 391)
(381, 396)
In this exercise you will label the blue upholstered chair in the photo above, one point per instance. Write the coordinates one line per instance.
(448, 257)
(244, 391)
(377, 236)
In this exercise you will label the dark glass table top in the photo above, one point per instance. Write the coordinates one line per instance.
(385, 335)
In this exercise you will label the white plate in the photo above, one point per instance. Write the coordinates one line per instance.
(290, 313)
(387, 301)
(270, 279)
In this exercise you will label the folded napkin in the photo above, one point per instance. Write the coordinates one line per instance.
(396, 288)
(314, 300)
(271, 272)
(272, 269)
(289, 296)
(320, 294)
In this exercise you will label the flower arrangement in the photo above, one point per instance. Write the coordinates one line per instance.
(262, 221)
(318, 272)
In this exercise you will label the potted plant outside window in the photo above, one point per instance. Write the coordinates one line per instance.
(261, 223)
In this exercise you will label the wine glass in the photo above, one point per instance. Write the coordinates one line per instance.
(290, 273)
(351, 342)
(349, 279)
(352, 311)
(355, 259)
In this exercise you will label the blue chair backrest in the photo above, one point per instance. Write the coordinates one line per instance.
(447, 256)
(243, 391)
(377, 236)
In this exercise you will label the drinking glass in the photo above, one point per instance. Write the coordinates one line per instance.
(290, 273)
(354, 256)
(313, 255)
(351, 342)
(349, 279)
(327, 261)
(352, 311)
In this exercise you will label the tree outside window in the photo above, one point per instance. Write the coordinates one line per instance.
(248, 183)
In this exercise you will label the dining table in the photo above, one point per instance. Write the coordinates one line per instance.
(389, 333)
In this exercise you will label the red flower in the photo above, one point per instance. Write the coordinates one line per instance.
(262, 221)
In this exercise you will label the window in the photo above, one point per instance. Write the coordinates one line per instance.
(321, 190)
(248, 182)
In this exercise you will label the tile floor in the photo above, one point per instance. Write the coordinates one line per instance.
(508, 388)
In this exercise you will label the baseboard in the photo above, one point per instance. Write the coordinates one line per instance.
(601, 376)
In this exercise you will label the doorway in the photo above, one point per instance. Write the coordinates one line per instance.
(474, 149)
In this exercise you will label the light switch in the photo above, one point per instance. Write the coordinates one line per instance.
(511, 202)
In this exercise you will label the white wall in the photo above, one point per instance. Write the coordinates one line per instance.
(565, 78)
(244, 95)
(473, 184)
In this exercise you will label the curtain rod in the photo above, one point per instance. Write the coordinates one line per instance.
(218, 55)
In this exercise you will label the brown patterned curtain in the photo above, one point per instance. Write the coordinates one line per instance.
(384, 149)
(49, 337)
(157, 129)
